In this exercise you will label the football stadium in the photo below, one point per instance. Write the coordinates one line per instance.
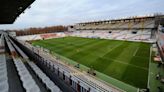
(112, 55)
(105, 55)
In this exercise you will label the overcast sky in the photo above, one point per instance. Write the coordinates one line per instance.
(64, 12)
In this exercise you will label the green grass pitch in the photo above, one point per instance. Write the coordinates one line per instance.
(123, 60)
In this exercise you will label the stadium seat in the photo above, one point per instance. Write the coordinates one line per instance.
(27, 80)
(48, 83)
(4, 87)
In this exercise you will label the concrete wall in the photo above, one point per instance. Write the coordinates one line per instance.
(41, 36)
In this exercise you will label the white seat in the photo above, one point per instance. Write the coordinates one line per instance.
(25, 76)
(4, 87)
(3, 68)
(3, 72)
(45, 79)
(33, 89)
(49, 84)
(29, 83)
(2, 64)
(3, 78)
(23, 72)
(55, 89)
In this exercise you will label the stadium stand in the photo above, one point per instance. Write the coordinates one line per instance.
(131, 29)
(28, 81)
(4, 86)
(19, 51)
(130, 35)
(49, 84)
(41, 36)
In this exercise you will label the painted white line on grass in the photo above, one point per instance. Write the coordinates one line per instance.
(122, 61)
(128, 64)
(135, 51)
(148, 82)
(111, 49)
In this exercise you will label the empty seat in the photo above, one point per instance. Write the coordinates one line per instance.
(48, 83)
(3, 78)
(33, 89)
(27, 80)
(4, 87)
(52, 87)
(29, 83)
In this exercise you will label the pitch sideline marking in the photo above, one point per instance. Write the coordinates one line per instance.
(149, 71)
